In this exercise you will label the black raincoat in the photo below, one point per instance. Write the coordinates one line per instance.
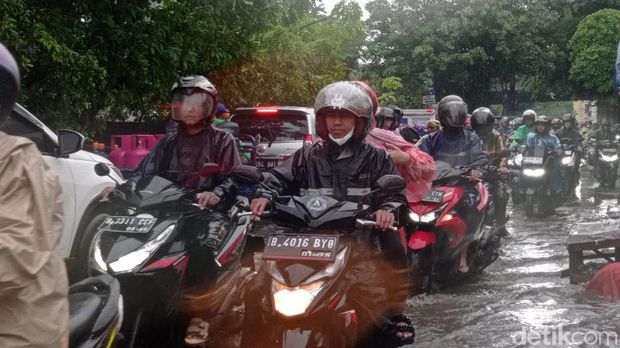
(457, 147)
(180, 156)
(345, 172)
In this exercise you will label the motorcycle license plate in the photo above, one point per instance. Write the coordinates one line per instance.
(433, 197)
(301, 247)
(128, 224)
(532, 160)
(266, 164)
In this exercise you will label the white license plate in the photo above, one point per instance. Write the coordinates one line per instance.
(128, 224)
(532, 160)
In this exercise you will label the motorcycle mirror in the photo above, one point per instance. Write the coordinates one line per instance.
(210, 169)
(247, 174)
(391, 184)
(101, 169)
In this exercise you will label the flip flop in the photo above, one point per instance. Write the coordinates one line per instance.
(463, 269)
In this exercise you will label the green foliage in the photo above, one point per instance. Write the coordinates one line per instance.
(553, 109)
(88, 61)
(593, 52)
(389, 86)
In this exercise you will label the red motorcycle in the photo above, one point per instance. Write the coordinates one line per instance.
(438, 228)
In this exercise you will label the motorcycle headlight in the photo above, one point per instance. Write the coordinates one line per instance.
(536, 173)
(518, 159)
(611, 158)
(294, 301)
(568, 161)
(131, 261)
(428, 217)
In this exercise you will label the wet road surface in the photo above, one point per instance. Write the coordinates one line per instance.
(520, 300)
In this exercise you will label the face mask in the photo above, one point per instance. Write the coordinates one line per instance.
(344, 139)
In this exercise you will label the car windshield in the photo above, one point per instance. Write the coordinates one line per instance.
(274, 128)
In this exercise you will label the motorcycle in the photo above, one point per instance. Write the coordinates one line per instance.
(606, 163)
(142, 242)
(304, 262)
(571, 160)
(514, 166)
(438, 226)
(95, 312)
(535, 181)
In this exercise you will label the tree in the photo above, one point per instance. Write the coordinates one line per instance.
(593, 53)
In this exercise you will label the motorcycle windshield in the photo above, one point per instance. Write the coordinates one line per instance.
(155, 189)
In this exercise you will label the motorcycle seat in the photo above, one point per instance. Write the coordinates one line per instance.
(83, 308)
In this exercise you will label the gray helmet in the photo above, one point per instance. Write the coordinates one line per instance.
(9, 82)
(529, 114)
(344, 96)
(542, 119)
(191, 86)
(387, 113)
(482, 121)
(452, 112)
(568, 118)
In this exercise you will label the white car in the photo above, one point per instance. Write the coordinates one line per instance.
(75, 168)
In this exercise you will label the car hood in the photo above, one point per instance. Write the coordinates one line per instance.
(90, 157)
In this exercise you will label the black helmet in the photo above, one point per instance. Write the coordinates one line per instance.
(398, 113)
(195, 87)
(452, 112)
(386, 113)
(482, 121)
(347, 96)
(529, 115)
(9, 82)
(556, 121)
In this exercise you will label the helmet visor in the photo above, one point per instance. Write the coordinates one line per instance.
(453, 114)
(191, 104)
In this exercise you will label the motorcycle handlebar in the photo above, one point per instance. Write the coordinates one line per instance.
(370, 225)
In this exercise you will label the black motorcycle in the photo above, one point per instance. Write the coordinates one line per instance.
(570, 161)
(535, 181)
(606, 162)
(95, 312)
(302, 267)
(141, 240)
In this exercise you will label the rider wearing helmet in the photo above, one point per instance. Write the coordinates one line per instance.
(398, 115)
(571, 139)
(179, 158)
(556, 125)
(387, 119)
(541, 136)
(33, 278)
(482, 122)
(349, 167)
(456, 146)
(504, 128)
(520, 135)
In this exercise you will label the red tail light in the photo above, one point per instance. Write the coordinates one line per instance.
(267, 111)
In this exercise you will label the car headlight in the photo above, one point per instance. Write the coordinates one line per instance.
(131, 261)
(518, 160)
(536, 173)
(568, 161)
(294, 301)
(611, 158)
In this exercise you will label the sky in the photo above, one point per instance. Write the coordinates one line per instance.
(329, 4)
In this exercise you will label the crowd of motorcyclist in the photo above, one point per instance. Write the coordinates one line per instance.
(360, 142)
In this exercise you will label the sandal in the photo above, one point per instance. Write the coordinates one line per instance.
(197, 333)
(463, 269)
(400, 332)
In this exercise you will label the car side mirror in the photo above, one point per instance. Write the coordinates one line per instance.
(210, 169)
(69, 142)
(247, 174)
(101, 169)
(390, 185)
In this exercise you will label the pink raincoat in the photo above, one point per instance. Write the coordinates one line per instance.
(421, 169)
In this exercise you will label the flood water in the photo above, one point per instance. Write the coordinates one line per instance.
(521, 300)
